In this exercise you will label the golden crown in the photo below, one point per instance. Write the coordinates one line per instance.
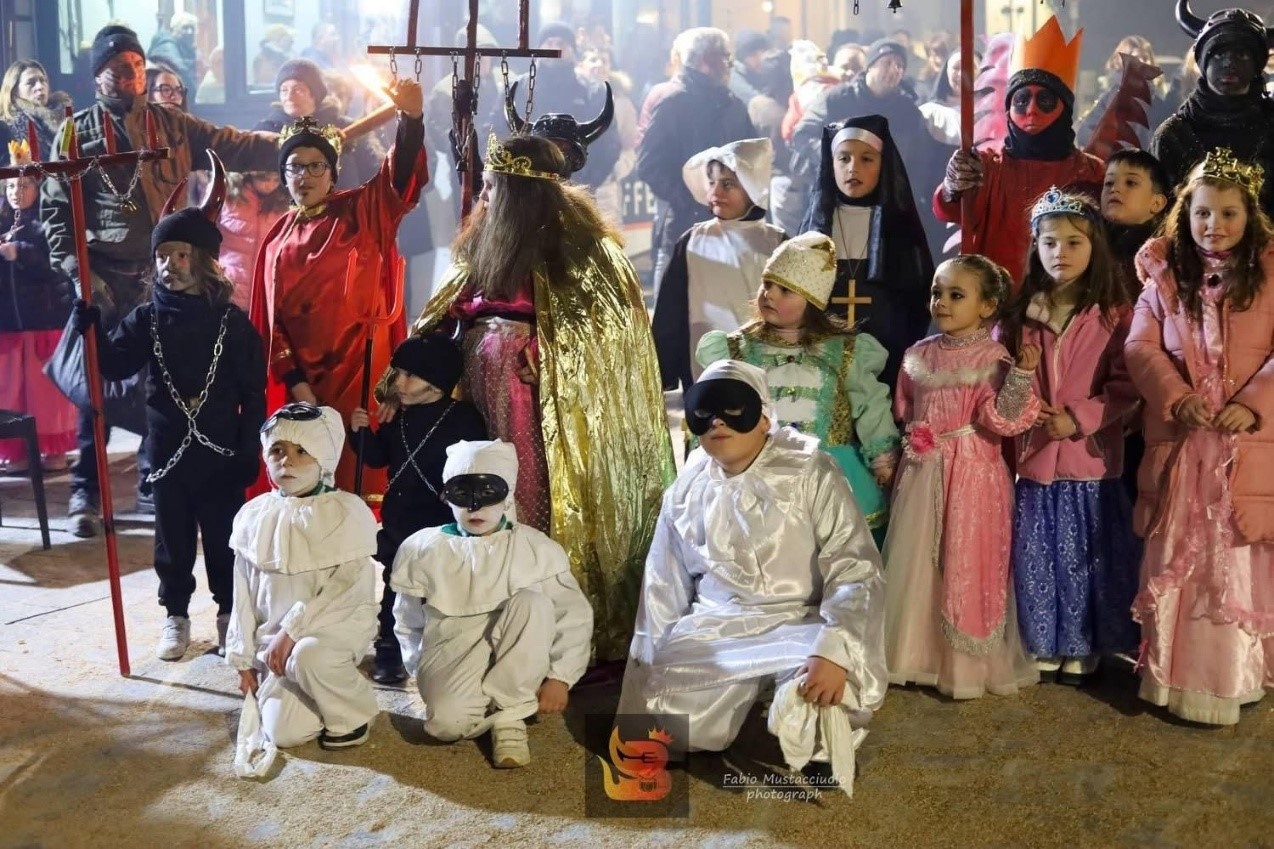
(500, 161)
(1221, 164)
(19, 152)
(327, 132)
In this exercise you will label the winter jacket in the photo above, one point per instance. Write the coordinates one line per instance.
(114, 232)
(47, 120)
(1165, 365)
(32, 295)
(1082, 370)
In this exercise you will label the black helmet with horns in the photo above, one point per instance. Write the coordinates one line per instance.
(1238, 23)
(573, 136)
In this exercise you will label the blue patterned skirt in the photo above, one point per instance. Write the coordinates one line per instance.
(1075, 567)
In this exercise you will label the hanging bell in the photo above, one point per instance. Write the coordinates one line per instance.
(895, 5)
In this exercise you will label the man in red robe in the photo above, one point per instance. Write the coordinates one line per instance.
(1039, 153)
(305, 302)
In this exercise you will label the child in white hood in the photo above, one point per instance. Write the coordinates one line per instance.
(489, 616)
(711, 278)
(305, 599)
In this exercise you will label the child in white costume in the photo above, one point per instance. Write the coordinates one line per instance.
(488, 615)
(762, 569)
(305, 599)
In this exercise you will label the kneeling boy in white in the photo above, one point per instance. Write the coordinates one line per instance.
(488, 613)
(762, 568)
(305, 588)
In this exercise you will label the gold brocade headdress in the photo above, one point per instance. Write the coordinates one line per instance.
(500, 161)
(1221, 164)
(327, 132)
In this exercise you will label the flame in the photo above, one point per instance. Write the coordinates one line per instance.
(369, 77)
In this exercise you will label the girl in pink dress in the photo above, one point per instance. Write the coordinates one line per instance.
(1200, 354)
(950, 620)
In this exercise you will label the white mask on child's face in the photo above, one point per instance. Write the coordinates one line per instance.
(291, 469)
(479, 522)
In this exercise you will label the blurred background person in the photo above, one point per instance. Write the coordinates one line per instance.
(25, 96)
(163, 85)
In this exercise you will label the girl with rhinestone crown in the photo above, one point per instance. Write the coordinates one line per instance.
(1200, 353)
(949, 605)
(824, 378)
(1073, 545)
(205, 401)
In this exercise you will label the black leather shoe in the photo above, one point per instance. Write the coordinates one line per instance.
(388, 670)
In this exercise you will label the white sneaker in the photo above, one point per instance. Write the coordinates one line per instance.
(509, 748)
(223, 625)
(175, 639)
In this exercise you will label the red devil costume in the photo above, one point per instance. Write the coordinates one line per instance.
(307, 305)
(1039, 152)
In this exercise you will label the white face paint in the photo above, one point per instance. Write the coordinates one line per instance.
(479, 522)
(291, 469)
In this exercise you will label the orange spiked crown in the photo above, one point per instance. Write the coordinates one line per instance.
(1047, 58)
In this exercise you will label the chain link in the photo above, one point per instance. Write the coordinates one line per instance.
(412, 452)
(189, 411)
(393, 63)
(420, 64)
(125, 197)
(530, 91)
(856, 10)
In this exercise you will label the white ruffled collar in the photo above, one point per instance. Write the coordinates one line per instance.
(292, 535)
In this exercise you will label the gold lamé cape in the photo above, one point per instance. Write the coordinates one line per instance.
(603, 421)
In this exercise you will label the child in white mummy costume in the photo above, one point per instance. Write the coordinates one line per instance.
(305, 598)
(488, 614)
(762, 569)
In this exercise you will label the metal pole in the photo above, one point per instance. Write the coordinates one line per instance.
(93, 368)
(967, 71)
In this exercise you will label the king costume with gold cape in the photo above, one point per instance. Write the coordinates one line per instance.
(602, 435)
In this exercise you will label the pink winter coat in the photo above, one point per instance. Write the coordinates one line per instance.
(1082, 369)
(1164, 364)
(243, 227)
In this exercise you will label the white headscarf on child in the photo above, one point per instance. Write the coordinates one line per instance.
(750, 159)
(322, 438)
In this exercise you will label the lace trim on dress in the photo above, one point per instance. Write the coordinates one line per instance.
(966, 644)
(1014, 395)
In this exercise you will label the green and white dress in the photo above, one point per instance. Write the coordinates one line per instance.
(829, 388)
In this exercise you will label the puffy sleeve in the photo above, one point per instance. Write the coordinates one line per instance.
(713, 346)
(853, 604)
(1013, 407)
(241, 636)
(667, 590)
(573, 626)
(869, 399)
(1150, 367)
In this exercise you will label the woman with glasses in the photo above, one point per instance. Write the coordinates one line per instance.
(163, 85)
(307, 300)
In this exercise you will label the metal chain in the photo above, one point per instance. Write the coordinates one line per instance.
(420, 64)
(393, 63)
(530, 91)
(412, 452)
(126, 197)
(855, 7)
(504, 71)
(189, 411)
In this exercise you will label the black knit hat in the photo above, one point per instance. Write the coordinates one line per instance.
(433, 357)
(884, 46)
(302, 70)
(307, 133)
(189, 225)
(111, 41)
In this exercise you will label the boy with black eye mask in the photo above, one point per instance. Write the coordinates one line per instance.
(413, 444)
(489, 616)
(762, 570)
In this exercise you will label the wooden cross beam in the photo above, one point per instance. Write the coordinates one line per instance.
(463, 102)
(852, 301)
(73, 167)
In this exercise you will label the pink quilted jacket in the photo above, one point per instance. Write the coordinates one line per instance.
(1162, 361)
